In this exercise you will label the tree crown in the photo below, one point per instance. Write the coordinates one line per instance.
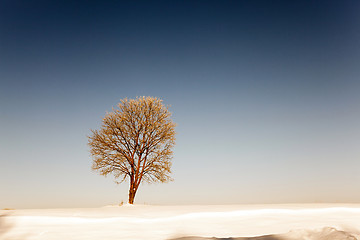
(135, 141)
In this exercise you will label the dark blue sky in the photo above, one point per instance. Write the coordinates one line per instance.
(265, 94)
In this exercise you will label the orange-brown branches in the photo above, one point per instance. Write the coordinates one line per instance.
(135, 142)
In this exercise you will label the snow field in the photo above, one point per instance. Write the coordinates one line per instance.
(171, 222)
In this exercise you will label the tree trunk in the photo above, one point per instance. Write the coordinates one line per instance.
(132, 192)
(131, 197)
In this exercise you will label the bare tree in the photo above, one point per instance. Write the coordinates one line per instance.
(135, 142)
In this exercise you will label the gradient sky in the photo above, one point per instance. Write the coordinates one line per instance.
(266, 95)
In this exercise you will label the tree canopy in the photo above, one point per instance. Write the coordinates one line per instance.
(135, 142)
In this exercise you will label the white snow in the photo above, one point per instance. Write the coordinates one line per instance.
(340, 221)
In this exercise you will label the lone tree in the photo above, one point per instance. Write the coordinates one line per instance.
(135, 142)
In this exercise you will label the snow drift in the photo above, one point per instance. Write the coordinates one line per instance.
(322, 234)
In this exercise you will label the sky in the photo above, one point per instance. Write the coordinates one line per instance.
(265, 95)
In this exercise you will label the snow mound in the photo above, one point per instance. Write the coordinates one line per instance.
(123, 205)
(327, 233)
(320, 234)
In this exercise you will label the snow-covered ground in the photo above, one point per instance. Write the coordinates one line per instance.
(306, 221)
